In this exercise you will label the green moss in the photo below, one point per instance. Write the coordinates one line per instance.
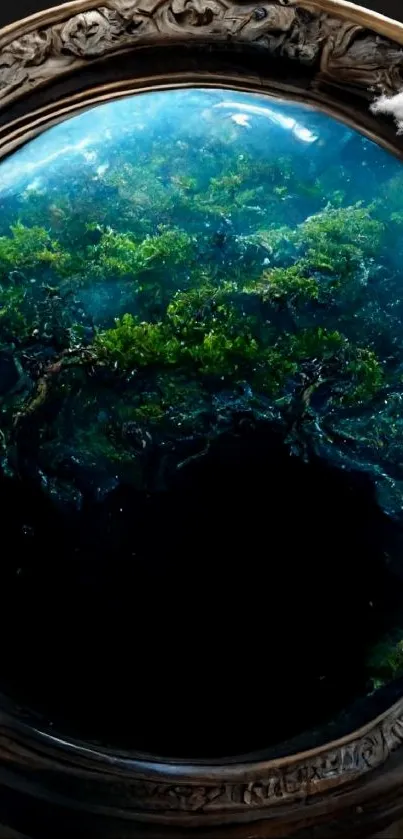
(228, 184)
(337, 240)
(140, 199)
(227, 347)
(97, 446)
(172, 247)
(365, 376)
(100, 447)
(274, 368)
(13, 317)
(313, 343)
(196, 311)
(220, 354)
(355, 373)
(117, 253)
(180, 393)
(148, 412)
(286, 285)
(386, 661)
(131, 343)
(122, 254)
(216, 336)
(28, 247)
(275, 241)
(185, 183)
(243, 183)
(281, 191)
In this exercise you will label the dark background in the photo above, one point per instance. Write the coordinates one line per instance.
(10, 11)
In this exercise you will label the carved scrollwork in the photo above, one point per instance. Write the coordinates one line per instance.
(273, 784)
(211, 792)
(23, 54)
(194, 12)
(356, 57)
(91, 34)
(340, 51)
(32, 49)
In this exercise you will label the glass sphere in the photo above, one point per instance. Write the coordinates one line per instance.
(201, 383)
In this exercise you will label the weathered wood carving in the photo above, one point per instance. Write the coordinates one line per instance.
(341, 52)
(211, 791)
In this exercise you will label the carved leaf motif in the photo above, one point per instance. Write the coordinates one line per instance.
(361, 59)
(125, 8)
(371, 750)
(254, 22)
(392, 728)
(195, 12)
(11, 77)
(32, 49)
(91, 34)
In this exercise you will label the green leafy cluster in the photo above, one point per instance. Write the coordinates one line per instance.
(336, 240)
(322, 260)
(355, 372)
(235, 353)
(134, 344)
(149, 412)
(207, 325)
(289, 285)
(316, 343)
(365, 376)
(386, 661)
(28, 248)
(121, 254)
(13, 317)
(201, 309)
(222, 355)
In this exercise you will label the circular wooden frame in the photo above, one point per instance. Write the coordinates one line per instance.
(338, 57)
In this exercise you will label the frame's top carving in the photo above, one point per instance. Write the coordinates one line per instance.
(343, 51)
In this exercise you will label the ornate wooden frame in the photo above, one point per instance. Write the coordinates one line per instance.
(327, 52)
(331, 52)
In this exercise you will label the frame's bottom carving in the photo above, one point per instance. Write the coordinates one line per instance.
(350, 786)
